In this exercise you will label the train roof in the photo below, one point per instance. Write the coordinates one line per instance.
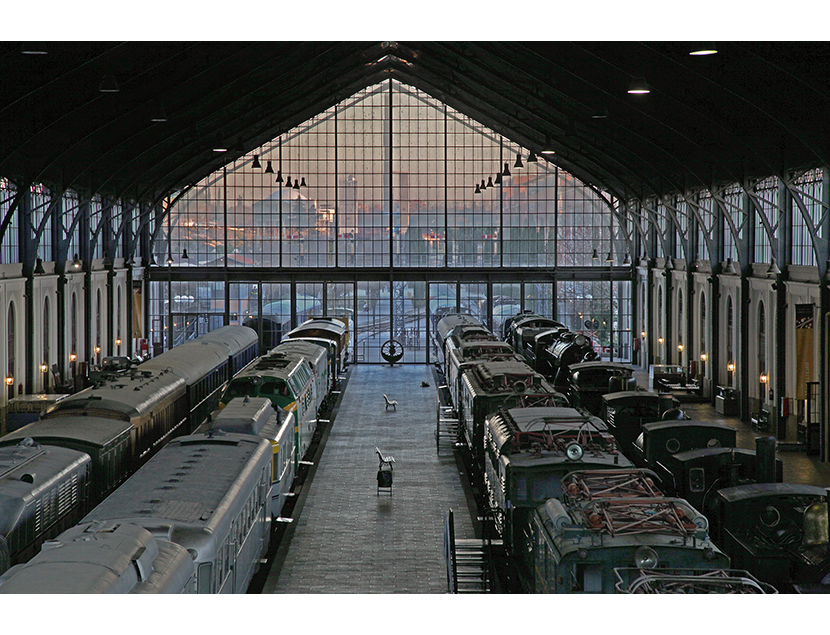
(498, 377)
(333, 326)
(686, 424)
(245, 415)
(126, 396)
(191, 360)
(769, 490)
(314, 353)
(79, 430)
(600, 365)
(450, 321)
(537, 418)
(691, 455)
(662, 519)
(233, 337)
(615, 398)
(29, 469)
(189, 492)
(277, 363)
(104, 558)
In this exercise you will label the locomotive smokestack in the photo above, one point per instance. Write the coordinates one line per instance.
(765, 459)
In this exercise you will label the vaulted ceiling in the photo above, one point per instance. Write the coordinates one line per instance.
(753, 109)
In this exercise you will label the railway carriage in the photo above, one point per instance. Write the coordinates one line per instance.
(660, 439)
(776, 531)
(256, 416)
(331, 329)
(286, 378)
(43, 490)
(209, 494)
(318, 358)
(466, 355)
(486, 386)
(588, 381)
(153, 401)
(104, 558)
(582, 548)
(107, 442)
(527, 453)
(625, 413)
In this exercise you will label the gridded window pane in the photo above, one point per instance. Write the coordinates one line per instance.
(41, 219)
(766, 197)
(9, 248)
(807, 201)
(732, 197)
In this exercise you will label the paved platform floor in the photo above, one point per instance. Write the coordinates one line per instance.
(347, 538)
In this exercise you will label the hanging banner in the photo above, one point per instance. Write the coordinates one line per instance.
(138, 311)
(804, 353)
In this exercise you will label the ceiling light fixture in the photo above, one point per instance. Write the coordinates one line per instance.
(548, 150)
(478, 189)
(184, 254)
(279, 176)
(296, 184)
(601, 114)
(609, 258)
(595, 255)
(531, 158)
(268, 168)
(497, 180)
(703, 48)
(303, 183)
(490, 181)
(773, 269)
(518, 165)
(483, 185)
(77, 262)
(157, 114)
(33, 48)
(638, 86)
(108, 85)
(288, 181)
(256, 164)
(506, 171)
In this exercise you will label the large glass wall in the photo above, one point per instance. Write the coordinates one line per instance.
(389, 178)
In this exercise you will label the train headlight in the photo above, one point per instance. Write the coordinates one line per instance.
(574, 451)
(645, 558)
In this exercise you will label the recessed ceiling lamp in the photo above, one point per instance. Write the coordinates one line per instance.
(108, 85)
(220, 149)
(703, 48)
(157, 114)
(33, 48)
(638, 86)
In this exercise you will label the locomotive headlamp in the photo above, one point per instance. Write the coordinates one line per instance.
(574, 451)
(645, 558)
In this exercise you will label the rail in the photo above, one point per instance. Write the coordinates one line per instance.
(449, 552)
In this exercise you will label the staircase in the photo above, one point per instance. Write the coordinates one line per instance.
(447, 424)
(468, 561)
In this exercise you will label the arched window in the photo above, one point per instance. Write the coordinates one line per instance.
(11, 348)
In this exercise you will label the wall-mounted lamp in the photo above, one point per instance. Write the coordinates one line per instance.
(9, 380)
(763, 378)
(660, 340)
(44, 367)
(703, 357)
(97, 349)
(680, 347)
(118, 341)
(643, 334)
(731, 367)
(72, 357)
(77, 262)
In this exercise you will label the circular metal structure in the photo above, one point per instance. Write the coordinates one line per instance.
(391, 351)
